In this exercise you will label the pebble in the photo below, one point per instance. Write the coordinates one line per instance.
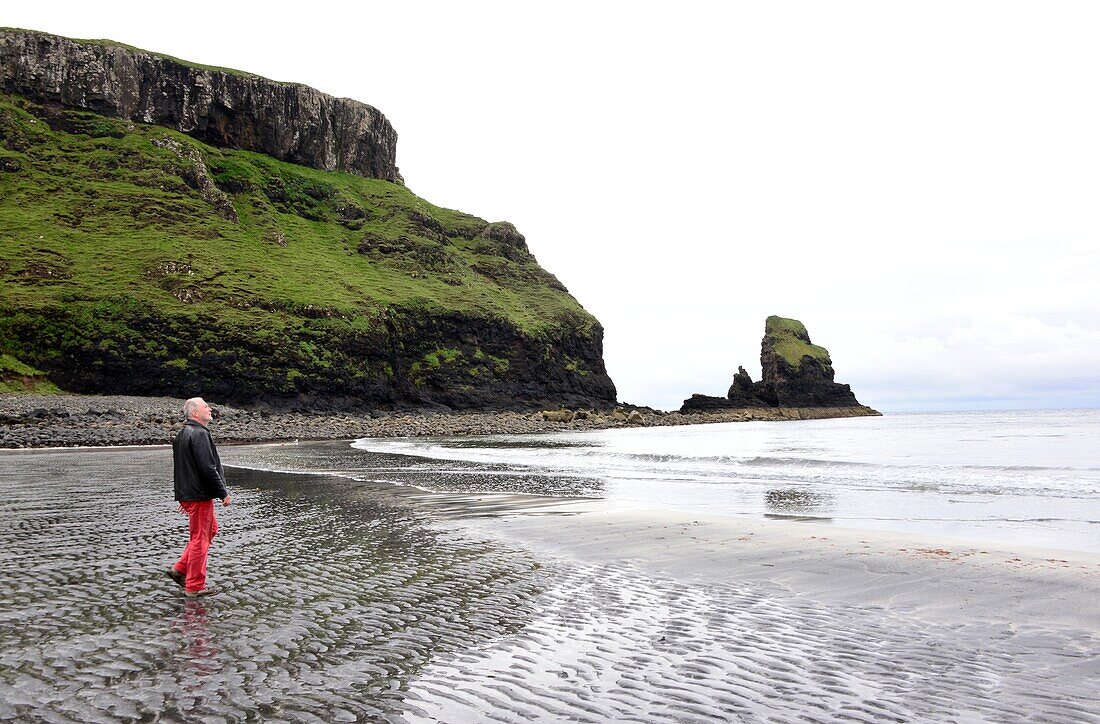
(28, 420)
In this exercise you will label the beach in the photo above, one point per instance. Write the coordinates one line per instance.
(72, 420)
(351, 599)
(686, 618)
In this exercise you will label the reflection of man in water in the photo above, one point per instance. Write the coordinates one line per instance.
(198, 480)
(201, 658)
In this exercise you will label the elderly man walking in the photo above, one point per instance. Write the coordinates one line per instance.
(198, 481)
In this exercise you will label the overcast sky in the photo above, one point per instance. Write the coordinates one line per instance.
(918, 183)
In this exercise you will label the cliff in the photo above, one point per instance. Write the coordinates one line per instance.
(137, 258)
(796, 374)
(220, 107)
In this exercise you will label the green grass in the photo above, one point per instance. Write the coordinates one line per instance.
(92, 217)
(11, 366)
(791, 341)
(108, 248)
(18, 377)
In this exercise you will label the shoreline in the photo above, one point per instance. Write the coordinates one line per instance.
(938, 577)
(90, 421)
(566, 526)
(389, 602)
(644, 593)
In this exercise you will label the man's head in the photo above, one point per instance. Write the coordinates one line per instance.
(196, 409)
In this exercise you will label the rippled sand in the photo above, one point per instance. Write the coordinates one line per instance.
(358, 601)
(659, 617)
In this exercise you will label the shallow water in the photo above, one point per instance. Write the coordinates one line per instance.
(334, 596)
(1019, 477)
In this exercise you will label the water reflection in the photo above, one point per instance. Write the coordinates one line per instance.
(334, 596)
(200, 652)
(450, 476)
(798, 501)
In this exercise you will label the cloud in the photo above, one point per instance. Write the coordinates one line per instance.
(991, 360)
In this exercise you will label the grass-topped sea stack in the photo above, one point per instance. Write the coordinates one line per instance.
(796, 374)
(170, 228)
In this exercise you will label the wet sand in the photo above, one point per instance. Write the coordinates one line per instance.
(347, 600)
(658, 615)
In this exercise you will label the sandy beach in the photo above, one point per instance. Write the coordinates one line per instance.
(666, 615)
(347, 600)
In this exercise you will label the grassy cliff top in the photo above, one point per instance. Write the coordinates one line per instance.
(791, 341)
(104, 212)
(106, 43)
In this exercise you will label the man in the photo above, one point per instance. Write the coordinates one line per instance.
(198, 481)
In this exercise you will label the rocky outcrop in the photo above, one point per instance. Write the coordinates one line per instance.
(221, 107)
(416, 361)
(797, 374)
(742, 392)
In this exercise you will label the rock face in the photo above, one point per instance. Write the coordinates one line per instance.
(796, 374)
(742, 392)
(230, 109)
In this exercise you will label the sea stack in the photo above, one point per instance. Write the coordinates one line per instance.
(797, 374)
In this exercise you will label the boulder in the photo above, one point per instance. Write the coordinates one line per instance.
(558, 415)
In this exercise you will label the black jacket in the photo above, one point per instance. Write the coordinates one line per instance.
(197, 467)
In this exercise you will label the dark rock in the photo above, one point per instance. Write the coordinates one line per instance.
(796, 373)
(742, 384)
(706, 403)
(289, 121)
(742, 393)
(413, 361)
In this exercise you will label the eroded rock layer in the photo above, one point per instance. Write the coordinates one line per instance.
(230, 109)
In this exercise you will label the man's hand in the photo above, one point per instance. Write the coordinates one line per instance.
(225, 501)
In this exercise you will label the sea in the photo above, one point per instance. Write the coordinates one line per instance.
(1018, 478)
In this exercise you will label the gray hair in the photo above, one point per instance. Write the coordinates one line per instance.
(190, 406)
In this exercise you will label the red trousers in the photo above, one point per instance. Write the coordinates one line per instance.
(203, 526)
